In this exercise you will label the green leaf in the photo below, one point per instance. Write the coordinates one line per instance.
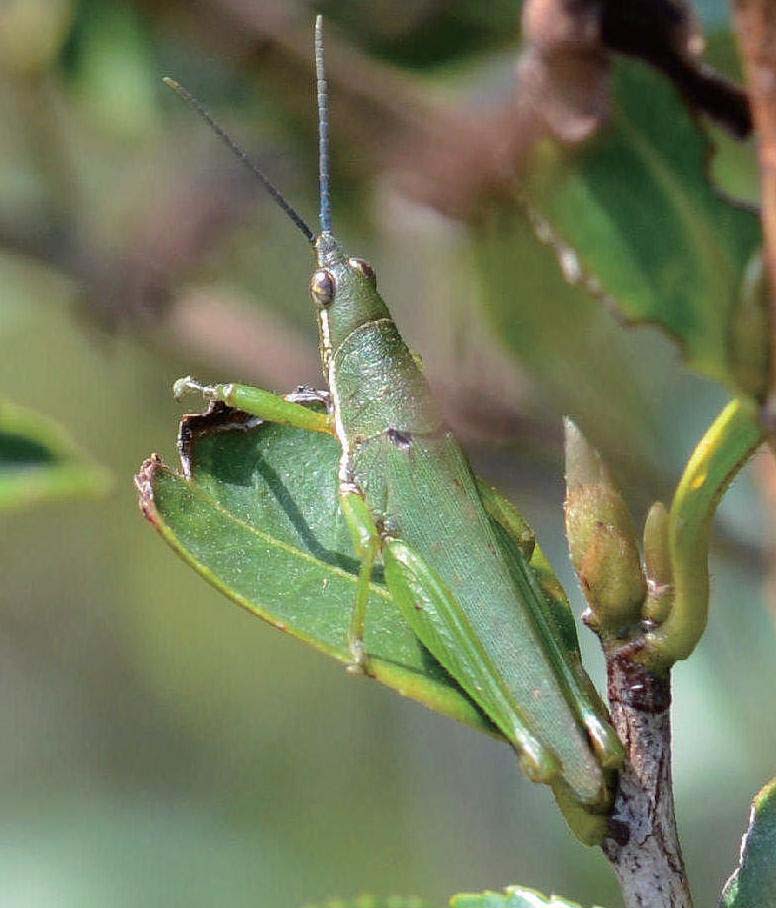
(257, 514)
(753, 884)
(38, 461)
(511, 897)
(571, 346)
(637, 207)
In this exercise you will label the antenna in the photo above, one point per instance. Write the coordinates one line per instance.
(323, 128)
(230, 143)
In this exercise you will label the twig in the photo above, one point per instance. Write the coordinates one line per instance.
(623, 598)
(643, 846)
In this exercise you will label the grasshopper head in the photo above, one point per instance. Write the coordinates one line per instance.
(344, 291)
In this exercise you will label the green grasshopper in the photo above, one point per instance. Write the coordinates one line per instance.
(454, 552)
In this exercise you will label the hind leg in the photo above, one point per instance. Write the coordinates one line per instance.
(366, 542)
(555, 620)
(436, 616)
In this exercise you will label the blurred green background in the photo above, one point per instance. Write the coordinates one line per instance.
(162, 747)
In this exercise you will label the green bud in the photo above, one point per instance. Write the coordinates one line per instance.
(657, 564)
(602, 539)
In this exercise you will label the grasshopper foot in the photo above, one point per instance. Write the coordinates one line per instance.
(606, 744)
(188, 385)
(358, 658)
(306, 394)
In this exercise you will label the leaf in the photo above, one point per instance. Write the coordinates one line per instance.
(636, 206)
(571, 346)
(38, 461)
(256, 513)
(511, 897)
(753, 884)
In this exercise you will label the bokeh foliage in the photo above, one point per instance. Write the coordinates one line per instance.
(754, 881)
(38, 462)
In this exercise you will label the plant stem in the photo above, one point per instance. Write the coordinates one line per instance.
(643, 845)
(724, 449)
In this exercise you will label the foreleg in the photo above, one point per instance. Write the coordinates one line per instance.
(264, 404)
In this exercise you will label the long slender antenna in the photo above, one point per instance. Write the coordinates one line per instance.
(323, 128)
(242, 155)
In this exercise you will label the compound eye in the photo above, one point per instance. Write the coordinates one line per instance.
(323, 287)
(365, 268)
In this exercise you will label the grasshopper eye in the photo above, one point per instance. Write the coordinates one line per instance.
(323, 287)
(365, 268)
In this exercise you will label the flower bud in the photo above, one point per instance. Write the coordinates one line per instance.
(602, 539)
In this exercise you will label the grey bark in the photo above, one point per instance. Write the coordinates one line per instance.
(643, 845)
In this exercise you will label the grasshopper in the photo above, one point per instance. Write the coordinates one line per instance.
(455, 553)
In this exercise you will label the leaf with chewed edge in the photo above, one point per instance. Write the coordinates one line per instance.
(256, 513)
(753, 884)
(39, 462)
